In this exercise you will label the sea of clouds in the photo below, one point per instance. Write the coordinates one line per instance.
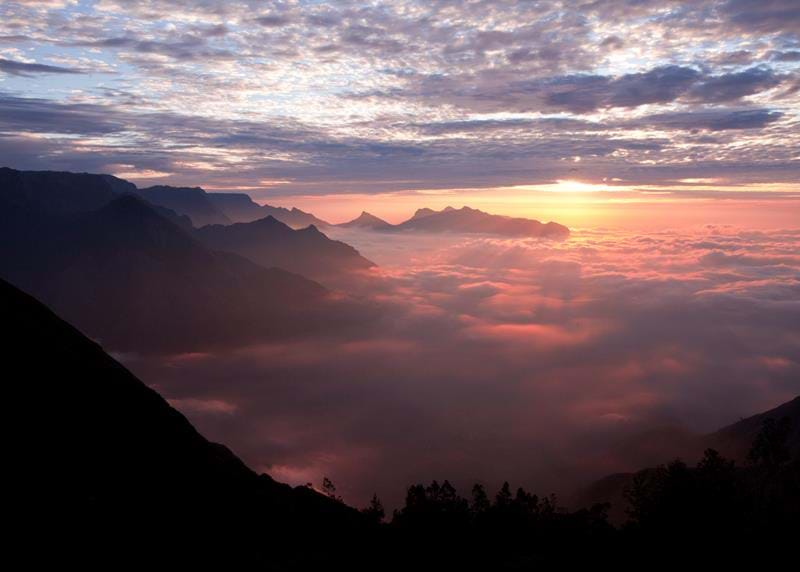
(547, 364)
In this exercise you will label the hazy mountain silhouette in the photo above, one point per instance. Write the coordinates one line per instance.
(103, 470)
(239, 207)
(193, 202)
(270, 242)
(367, 221)
(465, 220)
(136, 281)
(468, 220)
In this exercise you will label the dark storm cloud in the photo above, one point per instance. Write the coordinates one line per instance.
(27, 69)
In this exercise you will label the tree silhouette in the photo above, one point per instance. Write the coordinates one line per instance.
(769, 448)
(480, 500)
(329, 489)
(374, 510)
(503, 497)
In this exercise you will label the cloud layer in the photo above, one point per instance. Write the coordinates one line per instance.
(373, 97)
(536, 362)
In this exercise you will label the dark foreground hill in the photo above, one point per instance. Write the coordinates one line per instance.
(104, 472)
(733, 441)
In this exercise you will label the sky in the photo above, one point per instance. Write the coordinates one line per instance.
(491, 103)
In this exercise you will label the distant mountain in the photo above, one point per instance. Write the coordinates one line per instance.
(136, 281)
(294, 217)
(193, 202)
(468, 220)
(424, 212)
(102, 471)
(367, 221)
(270, 242)
(239, 207)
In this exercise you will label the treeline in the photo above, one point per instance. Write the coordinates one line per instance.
(716, 512)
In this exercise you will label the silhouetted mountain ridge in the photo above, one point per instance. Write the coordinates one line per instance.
(193, 202)
(465, 220)
(270, 242)
(239, 207)
(469, 220)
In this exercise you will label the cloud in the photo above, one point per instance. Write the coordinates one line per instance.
(531, 361)
(348, 97)
(29, 69)
(273, 20)
(714, 119)
(765, 16)
(733, 86)
(44, 116)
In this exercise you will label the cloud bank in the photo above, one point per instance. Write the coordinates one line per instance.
(540, 363)
(378, 97)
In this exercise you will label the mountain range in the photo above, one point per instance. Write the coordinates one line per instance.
(239, 207)
(133, 276)
(465, 220)
(205, 208)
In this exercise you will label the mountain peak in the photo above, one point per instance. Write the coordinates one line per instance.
(367, 221)
(423, 212)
